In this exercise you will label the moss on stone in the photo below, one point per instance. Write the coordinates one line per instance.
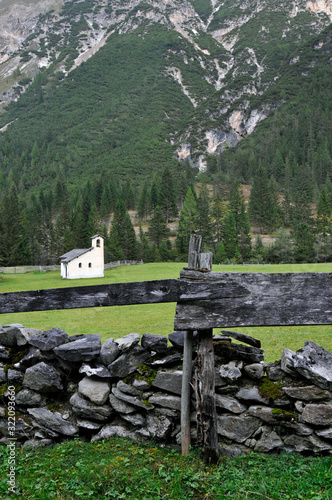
(269, 389)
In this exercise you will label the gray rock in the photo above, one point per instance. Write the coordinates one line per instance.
(298, 428)
(121, 406)
(132, 400)
(231, 371)
(238, 429)
(84, 348)
(24, 335)
(26, 397)
(262, 412)
(300, 444)
(141, 385)
(169, 381)
(53, 421)
(128, 342)
(156, 343)
(177, 339)
(88, 424)
(287, 361)
(325, 433)
(255, 371)
(135, 419)
(87, 410)
(43, 378)
(14, 376)
(314, 363)
(127, 389)
(317, 414)
(35, 356)
(230, 404)
(168, 401)
(233, 450)
(308, 393)
(97, 370)
(109, 351)
(22, 428)
(96, 391)
(159, 426)
(274, 371)
(37, 443)
(127, 363)
(269, 441)
(113, 430)
(3, 354)
(8, 334)
(47, 340)
(251, 394)
(3, 376)
(170, 360)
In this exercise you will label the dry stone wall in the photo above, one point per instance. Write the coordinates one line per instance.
(64, 387)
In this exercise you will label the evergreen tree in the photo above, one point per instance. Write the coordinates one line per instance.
(187, 222)
(282, 251)
(122, 243)
(204, 222)
(167, 196)
(143, 203)
(158, 230)
(144, 249)
(220, 256)
(218, 214)
(230, 239)
(154, 195)
(262, 207)
(323, 218)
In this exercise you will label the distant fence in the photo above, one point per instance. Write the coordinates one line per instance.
(27, 269)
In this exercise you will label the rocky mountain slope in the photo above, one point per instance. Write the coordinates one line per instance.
(217, 59)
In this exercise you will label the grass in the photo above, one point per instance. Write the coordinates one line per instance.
(156, 318)
(120, 469)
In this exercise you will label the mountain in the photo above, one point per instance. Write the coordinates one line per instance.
(127, 87)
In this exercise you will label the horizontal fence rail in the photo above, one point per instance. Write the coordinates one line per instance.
(204, 300)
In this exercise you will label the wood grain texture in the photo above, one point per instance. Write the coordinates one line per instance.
(271, 300)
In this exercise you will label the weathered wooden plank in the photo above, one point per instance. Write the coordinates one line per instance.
(146, 292)
(185, 392)
(272, 300)
(246, 339)
(194, 248)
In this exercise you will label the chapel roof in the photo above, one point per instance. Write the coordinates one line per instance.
(73, 254)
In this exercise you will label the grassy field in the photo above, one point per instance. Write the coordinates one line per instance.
(156, 318)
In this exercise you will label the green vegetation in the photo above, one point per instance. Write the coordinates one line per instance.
(153, 318)
(120, 469)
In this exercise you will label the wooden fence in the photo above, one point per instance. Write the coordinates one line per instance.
(205, 300)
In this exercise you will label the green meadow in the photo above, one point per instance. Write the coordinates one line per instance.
(155, 318)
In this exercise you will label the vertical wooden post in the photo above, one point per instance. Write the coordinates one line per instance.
(185, 394)
(204, 381)
(194, 248)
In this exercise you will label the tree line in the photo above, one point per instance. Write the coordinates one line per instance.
(165, 211)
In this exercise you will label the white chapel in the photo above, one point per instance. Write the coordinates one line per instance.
(84, 262)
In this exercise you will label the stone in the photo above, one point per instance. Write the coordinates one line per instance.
(177, 339)
(109, 351)
(8, 334)
(317, 414)
(301, 444)
(121, 406)
(325, 433)
(127, 342)
(87, 410)
(53, 421)
(231, 371)
(22, 428)
(156, 343)
(132, 400)
(170, 360)
(230, 404)
(287, 361)
(3, 376)
(27, 397)
(88, 424)
(24, 335)
(233, 450)
(169, 381)
(255, 371)
(98, 370)
(110, 430)
(3, 354)
(141, 385)
(47, 340)
(314, 363)
(159, 426)
(37, 443)
(269, 441)
(251, 394)
(262, 412)
(135, 419)
(127, 389)
(238, 429)
(83, 348)
(127, 363)
(35, 356)
(96, 391)
(168, 401)
(274, 371)
(298, 428)
(14, 376)
(241, 352)
(43, 378)
(308, 393)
